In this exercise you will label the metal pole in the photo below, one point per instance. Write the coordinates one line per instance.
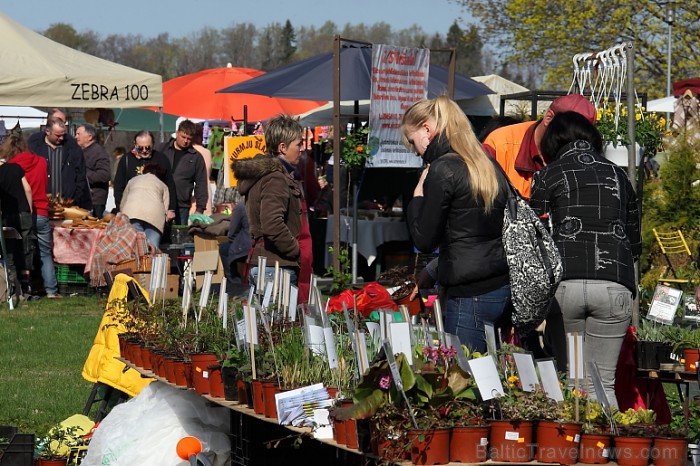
(669, 21)
(632, 149)
(451, 73)
(632, 154)
(336, 153)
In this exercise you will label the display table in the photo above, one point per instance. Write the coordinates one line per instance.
(370, 234)
(75, 245)
(678, 378)
(256, 439)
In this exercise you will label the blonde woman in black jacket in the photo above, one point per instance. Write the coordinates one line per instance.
(458, 206)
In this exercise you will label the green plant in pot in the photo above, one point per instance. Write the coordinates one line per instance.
(634, 422)
(56, 445)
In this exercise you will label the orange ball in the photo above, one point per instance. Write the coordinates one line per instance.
(188, 446)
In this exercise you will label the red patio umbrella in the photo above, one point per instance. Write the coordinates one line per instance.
(194, 96)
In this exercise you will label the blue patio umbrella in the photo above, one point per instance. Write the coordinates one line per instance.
(312, 79)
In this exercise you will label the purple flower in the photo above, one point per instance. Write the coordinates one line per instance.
(385, 382)
(448, 353)
(431, 354)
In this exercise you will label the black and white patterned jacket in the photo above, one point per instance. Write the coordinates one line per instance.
(594, 214)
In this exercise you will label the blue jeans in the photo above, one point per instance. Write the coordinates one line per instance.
(152, 233)
(183, 215)
(465, 317)
(269, 274)
(45, 239)
(601, 311)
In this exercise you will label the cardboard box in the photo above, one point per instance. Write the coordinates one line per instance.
(172, 285)
(206, 258)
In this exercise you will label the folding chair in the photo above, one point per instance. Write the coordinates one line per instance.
(674, 249)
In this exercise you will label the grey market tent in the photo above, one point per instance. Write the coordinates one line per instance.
(36, 71)
(490, 105)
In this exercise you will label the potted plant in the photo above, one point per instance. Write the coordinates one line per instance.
(470, 431)
(403, 283)
(56, 446)
(559, 431)
(670, 447)
(687, 342)
(653, 347)
(596, 439)
(633, 439)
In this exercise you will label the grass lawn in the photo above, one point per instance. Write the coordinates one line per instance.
(43, 346)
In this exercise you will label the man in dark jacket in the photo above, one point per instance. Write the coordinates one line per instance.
(67, 177)
(96, 166)
(132, 163)
(189, 171)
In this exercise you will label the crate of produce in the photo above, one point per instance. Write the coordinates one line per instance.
(16, 449)
(71, 274)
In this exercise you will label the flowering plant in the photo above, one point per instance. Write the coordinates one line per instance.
(356, 148)
(437, 381)
(649, 127)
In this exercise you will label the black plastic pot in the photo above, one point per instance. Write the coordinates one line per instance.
(230, 378)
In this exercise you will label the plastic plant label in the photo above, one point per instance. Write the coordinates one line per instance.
(605, 453)
(484, 441)
(526, 370)
(600, 445)
(575, 347)
(293, 300)
(486, 376)
(512, 435)
(205, 374)
(577, 438)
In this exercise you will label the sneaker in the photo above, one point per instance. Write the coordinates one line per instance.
(54, 296)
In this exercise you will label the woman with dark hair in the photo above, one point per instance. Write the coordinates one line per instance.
(595, 223)
(16, 208)
(145, 202)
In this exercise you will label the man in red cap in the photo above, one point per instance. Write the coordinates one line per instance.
(516, 148)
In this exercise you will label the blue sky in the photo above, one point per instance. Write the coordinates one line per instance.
(180, 17)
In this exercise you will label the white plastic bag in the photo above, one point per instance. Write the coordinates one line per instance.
(146, 429)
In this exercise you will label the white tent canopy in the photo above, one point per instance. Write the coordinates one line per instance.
(27, 117)
(39, 72)
(662, 105)
(490, 105)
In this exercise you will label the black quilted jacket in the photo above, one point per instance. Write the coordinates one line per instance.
(471, 260)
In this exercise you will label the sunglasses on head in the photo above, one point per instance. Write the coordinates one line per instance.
(143, 149)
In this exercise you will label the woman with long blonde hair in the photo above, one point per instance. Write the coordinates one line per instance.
(458, 206)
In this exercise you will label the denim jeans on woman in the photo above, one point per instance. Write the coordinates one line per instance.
(601, 311)
(465, 317)
(152, 233)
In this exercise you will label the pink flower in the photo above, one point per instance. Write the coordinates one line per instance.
(448, 353)
(385, 382)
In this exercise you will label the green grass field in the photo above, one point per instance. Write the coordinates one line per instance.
(43, 346)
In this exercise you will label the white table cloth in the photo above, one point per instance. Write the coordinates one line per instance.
(370, 233)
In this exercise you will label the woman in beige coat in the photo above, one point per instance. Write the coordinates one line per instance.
(145, 202)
